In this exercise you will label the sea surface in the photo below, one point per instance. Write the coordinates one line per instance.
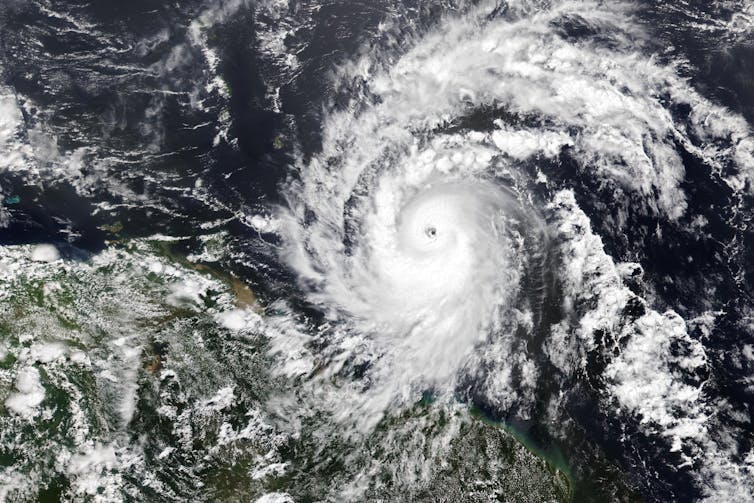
(285, 250)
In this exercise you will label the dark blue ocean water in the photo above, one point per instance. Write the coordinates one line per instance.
(118, 82)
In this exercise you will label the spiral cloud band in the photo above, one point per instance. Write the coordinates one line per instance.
(430, 230)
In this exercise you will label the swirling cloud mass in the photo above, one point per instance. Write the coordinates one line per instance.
(432, 231)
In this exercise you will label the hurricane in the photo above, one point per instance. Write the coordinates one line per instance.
(437, 232)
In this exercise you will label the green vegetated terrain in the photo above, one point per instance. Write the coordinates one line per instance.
(120, 379)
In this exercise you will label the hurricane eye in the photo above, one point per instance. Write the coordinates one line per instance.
(431, 231)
